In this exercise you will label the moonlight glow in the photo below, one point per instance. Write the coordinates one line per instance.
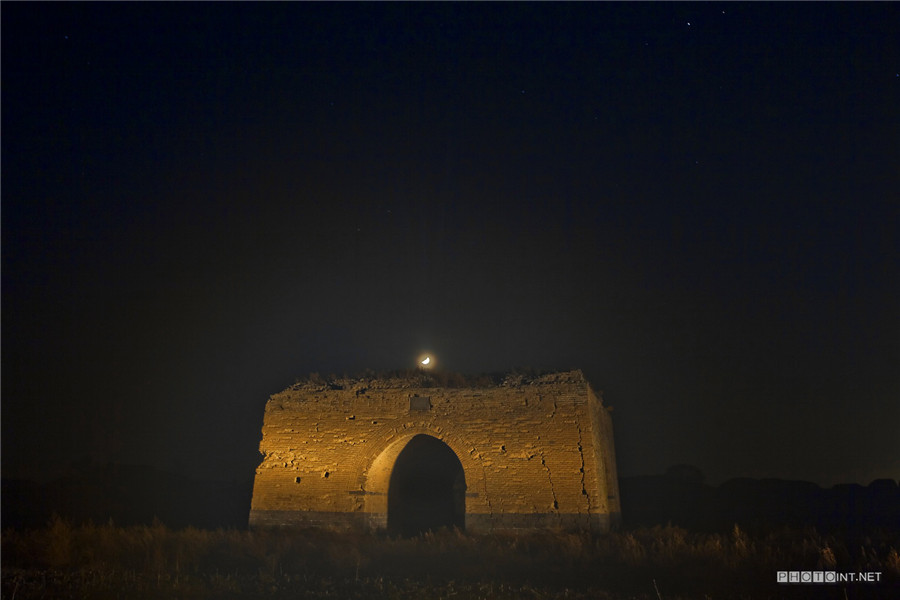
(425, 361)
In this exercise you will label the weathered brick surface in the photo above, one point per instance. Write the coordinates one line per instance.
(535, 455)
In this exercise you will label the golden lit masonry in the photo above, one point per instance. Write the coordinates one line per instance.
(393, 453)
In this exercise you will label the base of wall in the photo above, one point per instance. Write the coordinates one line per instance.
(475, 523)
(300, 519)
(533, 522)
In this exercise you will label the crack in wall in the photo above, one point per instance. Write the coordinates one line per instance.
(544, 462)
(581, 454)
(484, 477)
(552, 489)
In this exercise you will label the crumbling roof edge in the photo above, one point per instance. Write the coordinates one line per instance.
(420, 379)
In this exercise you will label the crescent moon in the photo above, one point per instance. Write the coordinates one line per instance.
(426, 360)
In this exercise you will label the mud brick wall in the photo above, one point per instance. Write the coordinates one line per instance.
(535, 455)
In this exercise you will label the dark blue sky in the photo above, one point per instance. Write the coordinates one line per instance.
(697, 204)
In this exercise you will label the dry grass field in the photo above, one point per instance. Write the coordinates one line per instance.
(105, 561)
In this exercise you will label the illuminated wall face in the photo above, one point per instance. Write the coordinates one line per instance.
(516, 457)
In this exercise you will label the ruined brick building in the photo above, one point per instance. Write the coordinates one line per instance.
(382, 453)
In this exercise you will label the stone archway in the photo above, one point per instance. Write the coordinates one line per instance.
(427, 488)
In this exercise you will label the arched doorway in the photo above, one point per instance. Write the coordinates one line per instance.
(427, 488)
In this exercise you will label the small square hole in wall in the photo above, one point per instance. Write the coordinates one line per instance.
(419, 403)
(297, 480)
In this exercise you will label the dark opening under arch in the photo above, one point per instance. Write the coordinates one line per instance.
(427, 489)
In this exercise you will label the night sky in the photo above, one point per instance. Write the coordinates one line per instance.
(696, 204)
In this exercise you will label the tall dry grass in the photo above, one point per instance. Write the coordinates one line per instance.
(104, 561)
